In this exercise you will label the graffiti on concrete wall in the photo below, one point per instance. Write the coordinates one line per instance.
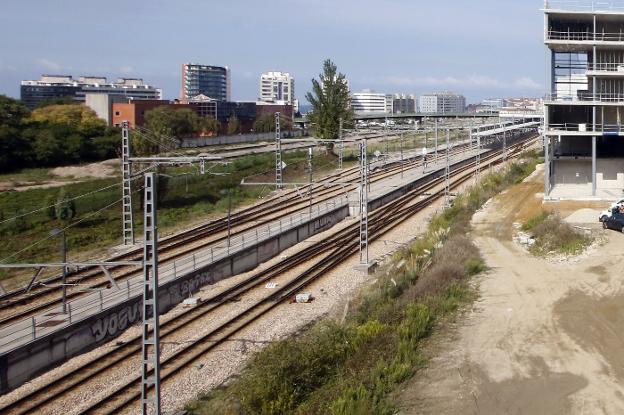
(187, 287)
(116, 322)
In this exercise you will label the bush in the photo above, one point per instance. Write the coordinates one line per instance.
(534, 221)
(281, 377)
(552, 234)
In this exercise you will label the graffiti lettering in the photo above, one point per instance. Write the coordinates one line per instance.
(116, 322)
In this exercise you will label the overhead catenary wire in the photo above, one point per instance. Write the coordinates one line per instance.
(152, 138)
(90, 215)
(58, 203)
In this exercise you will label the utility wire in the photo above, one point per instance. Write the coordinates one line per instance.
(62, 230)
(61, 202)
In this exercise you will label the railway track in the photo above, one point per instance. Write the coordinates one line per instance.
(330, 251)
(16, 306)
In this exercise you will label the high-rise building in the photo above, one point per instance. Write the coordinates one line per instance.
(584, 106)
(277, 87)
(368, 101)
(64, 86)
(208, 80)
(402, 103)
(442, 103)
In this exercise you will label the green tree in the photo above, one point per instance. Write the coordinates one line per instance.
(234, 125)
(78, 116)
(330, 102)
(266, 123)
(164, 127)
(12, 111)
(56, 101)
(50, 207)
(209, 125)
(65, 208)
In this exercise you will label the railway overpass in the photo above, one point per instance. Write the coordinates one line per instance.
(304, 122)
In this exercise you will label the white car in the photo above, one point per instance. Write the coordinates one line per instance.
(606, 214)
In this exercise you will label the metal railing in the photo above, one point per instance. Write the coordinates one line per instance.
(586, 97)
(586, 36)
(584, 6)
(586, 127)
(606, 67)
(32, 328)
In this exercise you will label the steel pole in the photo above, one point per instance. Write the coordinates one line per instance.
(64, 259)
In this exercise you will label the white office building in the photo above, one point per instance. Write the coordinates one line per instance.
(368, 101)
(277, 88)
(442, 103)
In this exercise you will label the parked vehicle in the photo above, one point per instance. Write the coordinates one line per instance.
(607, 213)
(615, 221)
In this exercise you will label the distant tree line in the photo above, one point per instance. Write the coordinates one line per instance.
(266, 123)
(52, 135)
(165, 125)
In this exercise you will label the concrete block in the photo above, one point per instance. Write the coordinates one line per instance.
(366, 268)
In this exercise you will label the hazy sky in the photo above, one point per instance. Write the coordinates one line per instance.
(479, 48)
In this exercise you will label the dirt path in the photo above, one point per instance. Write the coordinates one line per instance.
(543, 338)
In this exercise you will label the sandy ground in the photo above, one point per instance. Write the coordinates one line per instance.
(545, 337)
(99, 170)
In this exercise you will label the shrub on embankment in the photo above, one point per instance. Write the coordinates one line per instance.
(351, 367)
(553, 235)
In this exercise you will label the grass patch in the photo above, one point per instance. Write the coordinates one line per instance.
(352, 367)
(554, 235)
(188, 198)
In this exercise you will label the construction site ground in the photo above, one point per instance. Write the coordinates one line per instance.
(544, 335)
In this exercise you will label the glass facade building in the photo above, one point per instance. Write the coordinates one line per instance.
(211, 81)
(64, 86)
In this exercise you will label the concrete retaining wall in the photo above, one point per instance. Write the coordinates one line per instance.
(46, 352)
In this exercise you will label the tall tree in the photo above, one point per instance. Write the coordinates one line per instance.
(330, 102)
(12, 111)
(233, 126)
(209, 125)
(77, 116)
(166, 126)
(266, 123)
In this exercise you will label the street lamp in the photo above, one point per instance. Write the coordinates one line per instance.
(61, 233)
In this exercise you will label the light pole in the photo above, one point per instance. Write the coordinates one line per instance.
(61, 233)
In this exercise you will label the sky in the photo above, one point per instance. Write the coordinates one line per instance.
(482, 49)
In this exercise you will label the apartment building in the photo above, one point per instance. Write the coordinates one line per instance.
(211, 81)
(368, 101)
(442, 103)
(33, 92)
(402, 103)
(583, 110)
(278, 88)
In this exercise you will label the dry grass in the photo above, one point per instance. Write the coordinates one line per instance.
(554, 235)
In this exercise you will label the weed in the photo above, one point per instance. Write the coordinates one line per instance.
(552, 234)
(350, 368)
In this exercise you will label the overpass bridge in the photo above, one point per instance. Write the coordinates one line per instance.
(382, 116)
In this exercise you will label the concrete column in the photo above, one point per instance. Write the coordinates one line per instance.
(546, 165)
(593, 165)
(595, 60)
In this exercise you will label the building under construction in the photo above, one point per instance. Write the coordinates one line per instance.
(584, 141)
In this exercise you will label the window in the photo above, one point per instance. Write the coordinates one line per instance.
(116, 113)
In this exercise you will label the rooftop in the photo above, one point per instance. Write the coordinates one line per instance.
(584, 6)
